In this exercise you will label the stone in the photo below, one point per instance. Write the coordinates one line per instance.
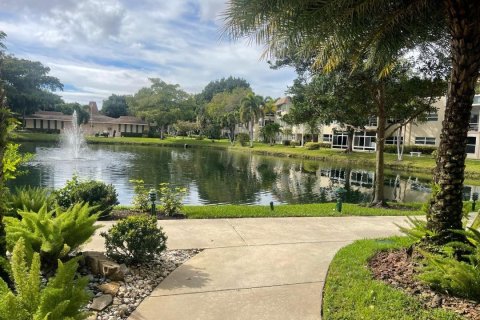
(92, 316)
(99, 264)
(109, 288)
(101, 302)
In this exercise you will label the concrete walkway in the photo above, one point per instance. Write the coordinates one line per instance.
(263, 268)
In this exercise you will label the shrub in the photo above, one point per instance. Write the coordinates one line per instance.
(447, 273)
(243, 139)
(63, 297)
(95, 193)
(171, 199)
(286, 142)
(131, 134)
(135, 239)
(141, 199)
(312, 145)
(294, 144)
(52, 234)
(392, 148)
(29, 199)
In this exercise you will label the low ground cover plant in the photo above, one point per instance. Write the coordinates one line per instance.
(29, 199)
(135, 239)
(63, 296)
(170, 198)
(55, 234)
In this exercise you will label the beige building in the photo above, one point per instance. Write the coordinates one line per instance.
(425, 133)
(98, 123)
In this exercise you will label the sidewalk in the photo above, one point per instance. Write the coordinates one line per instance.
(263, 268)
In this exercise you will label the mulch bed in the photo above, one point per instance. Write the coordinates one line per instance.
(398, 269)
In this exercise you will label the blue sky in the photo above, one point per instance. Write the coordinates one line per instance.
(100, 47)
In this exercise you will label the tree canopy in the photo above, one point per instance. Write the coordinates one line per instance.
(222, 85)
(28, 86)
(162, 104)
(115, 106)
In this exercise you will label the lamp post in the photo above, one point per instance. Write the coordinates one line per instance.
(339, 193)
(474, 200)
(152, 194)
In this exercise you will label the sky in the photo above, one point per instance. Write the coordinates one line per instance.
(100, 47)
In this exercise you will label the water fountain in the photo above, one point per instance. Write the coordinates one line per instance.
(72, 140)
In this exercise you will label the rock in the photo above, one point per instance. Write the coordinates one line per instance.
(436, 301)
(110, 288)
(93, 316)
(101, 302)
(99, 264)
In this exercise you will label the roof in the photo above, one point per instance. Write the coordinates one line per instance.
(94, 118)
(284, 100)
(49, 115)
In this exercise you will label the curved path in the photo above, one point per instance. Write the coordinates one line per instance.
(262, 268)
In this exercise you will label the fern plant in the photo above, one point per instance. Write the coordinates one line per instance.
(52, 234)
(62, 298)
(29, 199)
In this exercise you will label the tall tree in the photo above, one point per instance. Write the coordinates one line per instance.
(224, 109)
(222, 85)
(115, 106)
(162, 104)
(250, 111)
(83, 113)
(28, 87)
(380, 31)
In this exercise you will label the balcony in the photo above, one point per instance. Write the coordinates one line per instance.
(473, 127)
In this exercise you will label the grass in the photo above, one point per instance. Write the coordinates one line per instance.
(290, 210)
(351, 293)
(424, 164)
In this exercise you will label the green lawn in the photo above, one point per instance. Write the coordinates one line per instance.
(424, 164)
(291, 210)
(351, 293)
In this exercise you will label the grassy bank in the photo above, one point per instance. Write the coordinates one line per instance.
(351, 293)
(291, 210)
(424, 164)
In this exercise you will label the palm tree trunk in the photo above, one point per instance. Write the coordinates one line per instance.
(250, 124)
(378, 198)
(445, 211)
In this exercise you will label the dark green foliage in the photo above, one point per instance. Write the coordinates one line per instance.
(52, 234)
(312, 146)
(389, 148)
(63, 297)
(286, 142)
(136, 134)
(95, 193)
(135, 239)
(243, 139)
(213, 131)
(222, 85)
(293, 144)
(29, 199)
(115, 106)
(83, 112)
(461, 277)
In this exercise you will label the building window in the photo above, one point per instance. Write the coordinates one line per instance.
(471, 143)
(136, 128)
(393, 140)
(432, 116)
(364, 141)
(48, 124)
(473, 125)
(55, 121)
(34, 123)
(63, 124)
(361, 178)
(372, 121)
(340, 140)
(327, 138)
(425, 140)
(131, 128)
(41, 124)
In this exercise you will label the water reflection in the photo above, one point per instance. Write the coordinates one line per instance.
(218, 176)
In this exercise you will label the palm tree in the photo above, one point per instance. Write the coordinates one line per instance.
(372, 34)
(250, 111)
(270, 130)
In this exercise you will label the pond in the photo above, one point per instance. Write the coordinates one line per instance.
(217, 176)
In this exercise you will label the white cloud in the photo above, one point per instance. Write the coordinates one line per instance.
(112, 46)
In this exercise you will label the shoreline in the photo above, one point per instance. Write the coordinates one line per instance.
(424, 164)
